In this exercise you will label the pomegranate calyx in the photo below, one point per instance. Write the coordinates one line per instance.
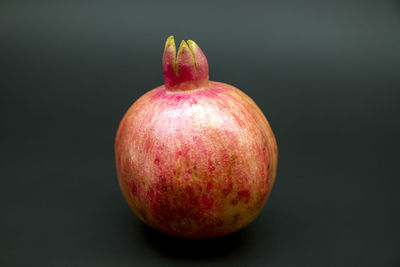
(185, 70)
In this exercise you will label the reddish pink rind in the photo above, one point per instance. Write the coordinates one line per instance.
(196, 164)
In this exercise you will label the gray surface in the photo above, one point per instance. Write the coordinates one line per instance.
(325, 74)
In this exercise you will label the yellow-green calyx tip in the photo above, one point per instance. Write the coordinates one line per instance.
(184, 46)
(192, 45)
(170, 42)
(186, 67)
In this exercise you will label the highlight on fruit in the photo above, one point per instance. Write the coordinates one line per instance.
(195, 158)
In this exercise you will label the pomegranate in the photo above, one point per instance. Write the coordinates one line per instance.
(195, 158)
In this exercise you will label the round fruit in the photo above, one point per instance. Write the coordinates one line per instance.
(195, 158)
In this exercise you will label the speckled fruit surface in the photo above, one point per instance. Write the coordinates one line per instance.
(195, 158)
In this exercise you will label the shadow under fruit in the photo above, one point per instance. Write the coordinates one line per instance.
(195, 158)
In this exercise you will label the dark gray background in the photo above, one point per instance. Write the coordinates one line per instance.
(326, 74)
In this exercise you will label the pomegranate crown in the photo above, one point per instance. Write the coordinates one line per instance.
(185, 70)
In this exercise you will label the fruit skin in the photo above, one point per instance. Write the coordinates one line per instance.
(196, 163)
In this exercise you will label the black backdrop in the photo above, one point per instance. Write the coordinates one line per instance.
(326, 74)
